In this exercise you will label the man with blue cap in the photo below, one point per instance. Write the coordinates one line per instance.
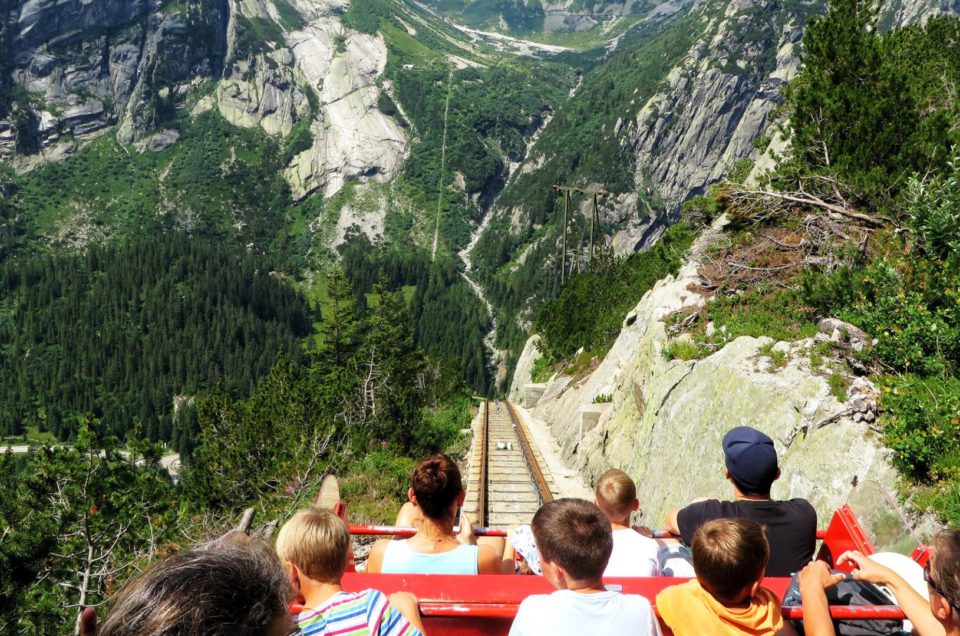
(751, 466)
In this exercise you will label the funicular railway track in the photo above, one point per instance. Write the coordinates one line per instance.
(507, 481)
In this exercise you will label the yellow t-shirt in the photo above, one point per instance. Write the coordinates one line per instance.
(689, 610)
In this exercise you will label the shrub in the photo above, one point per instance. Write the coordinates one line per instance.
(541, 371)
(934, 212)
(922, 425)
(838, 386)
(376, 486)
(683, 349)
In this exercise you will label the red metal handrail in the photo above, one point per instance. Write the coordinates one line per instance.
(509, 610)
(406, 531)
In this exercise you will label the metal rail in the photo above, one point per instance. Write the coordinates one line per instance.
(482, 486)
(539, 480)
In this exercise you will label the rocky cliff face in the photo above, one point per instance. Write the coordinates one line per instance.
(324, 76)
(78, 69)
(716, 102)
(667, 417)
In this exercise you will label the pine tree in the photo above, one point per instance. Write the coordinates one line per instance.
(850, 112)
(395, 405)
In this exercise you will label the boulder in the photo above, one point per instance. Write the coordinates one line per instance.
(844, 334)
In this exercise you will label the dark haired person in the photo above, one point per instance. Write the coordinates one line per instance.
(726, 598)
(234, 586)
(575, 542)
(436, 494)
(751, 467)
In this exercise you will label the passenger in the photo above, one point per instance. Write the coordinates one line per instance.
(520, 554)
(436, 495)
(231, 587)
(729, 557)
(314, 546)
(813, 580)
(633, 554)
(940, 615)
(751, 466)
(575, 542)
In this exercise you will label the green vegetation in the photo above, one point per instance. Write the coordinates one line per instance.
(838, 384)
(591, 307)
(218, 181)
(874, 135)
(377, 482)
(290, 18)
(781, 315)
(875, 100)
(448, 319)
(61, 507)
(67, 510)
(683, 349)
(118, 331)
(492, 113)
(256, 35)
(541, 371)
(777, 356)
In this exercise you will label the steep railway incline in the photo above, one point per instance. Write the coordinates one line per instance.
(507, 478)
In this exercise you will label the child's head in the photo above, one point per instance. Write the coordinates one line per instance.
(729, 557)
(575, 535)
(616, 495)
(317, 542)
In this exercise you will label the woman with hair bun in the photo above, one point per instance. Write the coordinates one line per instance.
(436, 495)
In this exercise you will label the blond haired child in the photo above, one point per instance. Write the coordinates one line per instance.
(633, 554)
(314, 546)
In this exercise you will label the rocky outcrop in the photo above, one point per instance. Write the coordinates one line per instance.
(96, 64)
(667, 417)
(717, 101)
(352, 139)
(61, 23)
(92, 64)
(903, 12)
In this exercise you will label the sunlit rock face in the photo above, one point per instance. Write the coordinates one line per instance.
(96, 65)
(667, 418)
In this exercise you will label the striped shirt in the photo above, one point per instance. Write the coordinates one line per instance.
(366, 613)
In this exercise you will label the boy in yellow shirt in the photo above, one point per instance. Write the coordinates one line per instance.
(729, 558)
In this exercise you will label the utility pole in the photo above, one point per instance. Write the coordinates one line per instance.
(595, 219)
(563, 242)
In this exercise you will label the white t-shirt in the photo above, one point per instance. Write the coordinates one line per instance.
(566, 613)
(633, 555)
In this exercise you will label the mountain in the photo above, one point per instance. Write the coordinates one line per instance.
(681, 101)
(686, 99)
(421, 140)
(371, 133)
(587, 21)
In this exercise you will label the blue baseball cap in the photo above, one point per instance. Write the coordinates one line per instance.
(751, 459)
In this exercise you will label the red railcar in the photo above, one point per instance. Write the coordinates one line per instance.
(486, 604)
